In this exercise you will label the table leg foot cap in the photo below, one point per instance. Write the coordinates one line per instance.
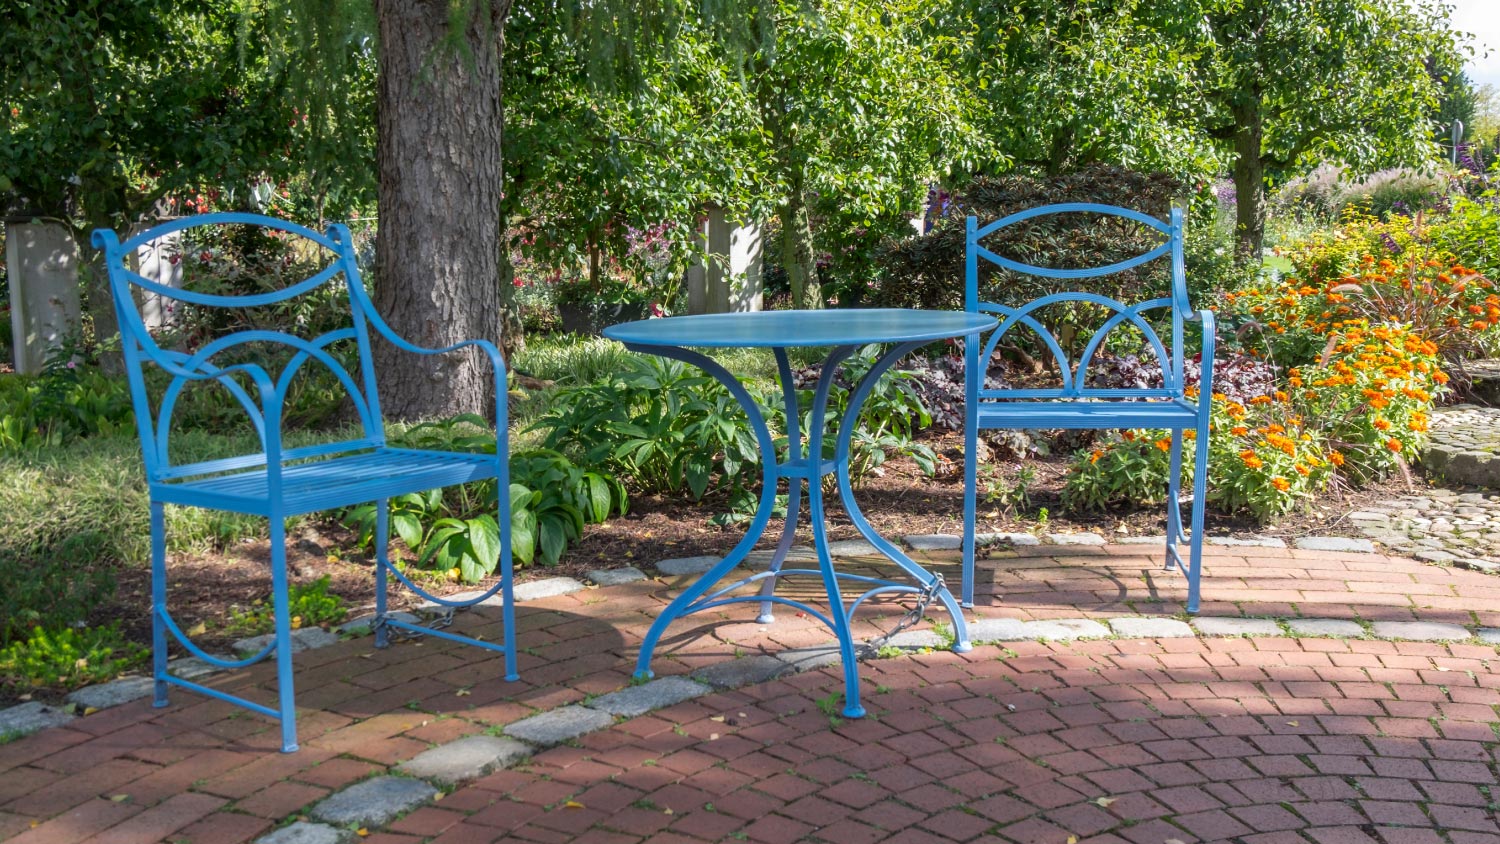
(968, 605)
(962, 647)
(765, 618)
(643, 675)
(854, 712)
(511, 678)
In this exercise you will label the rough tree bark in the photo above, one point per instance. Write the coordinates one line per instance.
(1249, 178)
(439, 155)
(797, 252)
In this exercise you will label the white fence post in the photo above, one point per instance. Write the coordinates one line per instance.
(42, 265)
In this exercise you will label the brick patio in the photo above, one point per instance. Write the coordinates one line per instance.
(1263, 740)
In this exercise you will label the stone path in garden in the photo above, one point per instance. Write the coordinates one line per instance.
(1439, 525)
(1321, 696)
(1465, 446)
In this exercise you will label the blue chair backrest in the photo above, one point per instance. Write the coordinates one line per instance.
(1075, 376)
(140, 347)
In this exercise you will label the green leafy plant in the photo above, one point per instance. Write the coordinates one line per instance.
(657, 423)
(308, 605)
(454, 530)
(1010, 495)
(891, 415)
(68, 657)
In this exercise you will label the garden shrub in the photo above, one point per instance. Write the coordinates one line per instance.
(1329, 193)
(1382, 272)
(68, 657)
(659, 423)
(308, 605)
(453, 529)
(1315, 194)
(62, 404)
(927, 271)
(1397, 190)
(1355, 415)
(892, 413)
(1470, 232)
(1372, 396)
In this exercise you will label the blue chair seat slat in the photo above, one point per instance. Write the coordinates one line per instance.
(1075, 406)
(230, 464)
(279, 482)
(1081, 415)
(1086, 393)
(338, 482)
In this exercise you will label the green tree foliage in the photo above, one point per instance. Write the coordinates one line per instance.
(113, 110)
(860, 105)
(1283, 84)
(112, 104)
(1067, 84)
(589, 157)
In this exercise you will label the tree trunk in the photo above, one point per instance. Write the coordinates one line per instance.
(439, 154)
(1249, 179)
(797, 252)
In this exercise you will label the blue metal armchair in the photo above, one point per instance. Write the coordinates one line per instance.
(1076, 404)
(279, 482)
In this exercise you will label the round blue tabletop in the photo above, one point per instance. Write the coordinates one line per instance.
(782, 329)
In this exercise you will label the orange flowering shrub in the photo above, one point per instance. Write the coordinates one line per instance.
(1373, 396)
(1381, 272)
(1355, 414)
(1261, 458)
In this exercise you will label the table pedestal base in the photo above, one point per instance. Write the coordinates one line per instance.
(804, 469)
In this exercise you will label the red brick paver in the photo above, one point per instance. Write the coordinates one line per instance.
(1141, 741)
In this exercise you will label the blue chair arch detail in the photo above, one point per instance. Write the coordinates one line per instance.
(1077, 405)
(278, 482)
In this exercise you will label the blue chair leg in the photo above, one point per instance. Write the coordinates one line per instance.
(971, 506)
(1200, 502)
(159, 602)
(1174, 495)
(508, 608)
(382, 559)
(280, 601)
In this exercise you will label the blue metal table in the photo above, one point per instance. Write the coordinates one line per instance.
(843, 331)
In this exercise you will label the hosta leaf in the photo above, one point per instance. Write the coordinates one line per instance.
(409, 528)
(484, 541)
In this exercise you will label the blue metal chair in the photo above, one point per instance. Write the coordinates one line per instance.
(1077, 405)
(279, 482)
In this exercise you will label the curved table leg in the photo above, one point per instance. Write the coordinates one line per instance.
(961, 642)
(677, 608)
(815, 513)
(794, 489)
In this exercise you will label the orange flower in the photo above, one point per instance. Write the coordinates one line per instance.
(1281, 483)
(1164, 444)
(1393, 444)
(1336, 458)
(1302, 470)
(1382, 424)
(1239, 430)
(1094, 458)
